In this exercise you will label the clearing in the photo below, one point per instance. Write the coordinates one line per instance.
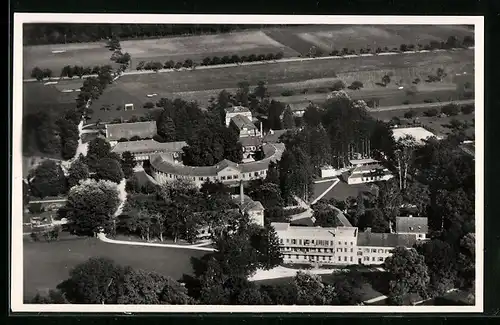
(48, 264)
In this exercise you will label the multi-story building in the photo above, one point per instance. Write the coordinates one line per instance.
(367, 171)
(166, 169)
(337, 246)
(234, 111)
(144, 149)
(245, 126)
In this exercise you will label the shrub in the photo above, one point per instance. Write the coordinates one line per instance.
(252, 58)
(386, 80)
(169, 64)
(409, 114)
(149, 105)
(395, 120)
(235, 58)
(261, 57)
(450, 110)
(431, 112)
(386, 49)
(338, 85)
(244, 58)
(322, 90)
(334, 53)
(279, 55)
(356, 85)
(428, 100)
(188, 63)
(206, 61)
(270, 57)
(467, 109)
(118, 108)
(406, 102)
(178, 65)
(416, 81)
(225, 59)
(288, 92)
(345, 51)
(378, 50)
(304, 91)
(123, 140)
(158, 138)
(135, 138)
(216, 60)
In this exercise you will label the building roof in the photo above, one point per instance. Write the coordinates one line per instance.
(307, 221)
(411, 225)
(385, 240)
(419, 133)
(164, 163)
(273, 136)
(148, 146)
(248, 203)
(251, 141)
(368, 168)
(297, 107)
(242, 121)
(129, 130)
(363, 161)
(315, 231)
(237, 109)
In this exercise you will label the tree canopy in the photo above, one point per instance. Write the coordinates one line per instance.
(47, 180)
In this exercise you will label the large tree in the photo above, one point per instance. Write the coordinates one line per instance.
(166, 127)
(409, 274)
(261, 90)
(288, 119)
(265, 241)
(109, 169)
(405, 155)
(127, 164)
(275, 110)
(269, 194)
(91, 206)
(295, 174)
(98, 149)
(313, 115)
(77, 172)
(312, 291)
(47, 180)
(325, 215)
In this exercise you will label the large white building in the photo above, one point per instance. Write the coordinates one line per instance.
(420, 134)
(143, 149)
(337, 245)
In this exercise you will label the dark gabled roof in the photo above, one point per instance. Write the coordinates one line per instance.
(148, 146)
(411, 224)
(128, 130)
(243, 122)
(385, 240)
(237, 109)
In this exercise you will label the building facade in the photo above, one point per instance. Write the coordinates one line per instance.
(367, 171)
(142, 150)
(336, 246)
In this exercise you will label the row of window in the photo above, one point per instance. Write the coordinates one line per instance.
(330, 250)
(329, 258)
(312, 242)
(207, 178)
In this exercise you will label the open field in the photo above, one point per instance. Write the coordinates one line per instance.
(37, 97)
(173, 48)
(47, 264)
(201, 84)
(342, 190)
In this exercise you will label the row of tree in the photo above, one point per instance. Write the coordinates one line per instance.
(42, 33)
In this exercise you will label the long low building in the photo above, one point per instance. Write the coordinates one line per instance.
(118, 131)
(144, 149)
(337, 245)
(165, 169)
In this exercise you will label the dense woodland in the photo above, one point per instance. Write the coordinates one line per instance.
(44, 33)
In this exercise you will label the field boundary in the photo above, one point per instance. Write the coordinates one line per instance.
(198, 247)
(231, 65)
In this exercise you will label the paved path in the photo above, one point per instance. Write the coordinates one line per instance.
(198, 247)
(335, 182)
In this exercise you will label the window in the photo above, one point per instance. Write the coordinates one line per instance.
(256, 174)
(235, 176)
(411, 228)
(352, 250)
(331, 243)
(373, 259)
(345, 243)
(366, 258)
(345, 250)
(300, 241)
(380, 259)
(352, 243)
(223, 177)
(244, 175)
(380, 250)
(374, 250)
(296, 257)
(339, 250)
(340, 258)
(312, 241)
(324, 258)
(329, 258)
(351, 258)
(287, 240)
(340, 243)
(366, 250)
(360, 253)
(201, 178)
(345, 258)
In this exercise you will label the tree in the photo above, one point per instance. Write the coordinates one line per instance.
(275, 110)
(261, 90)
(127, 164)
(288, 120)
(450, 110)
(467, 260)
(417, 194)
(47, 180)
(374, 219)
(97, 149)
(338, 85)
(356, 85)
(386, 80)
(91, 206)
(325, 215)
(312, 116)
(166, 127)
(389, 199)
(53, 297)
(37, 73)
(311, 291)
(109, 169)
(409, 274)
(266, 242)
(295, 174)
(405, 151)
(77, 172)
(349, 288)
(242, 93)
(441, 262)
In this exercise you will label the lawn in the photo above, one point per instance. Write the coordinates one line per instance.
(135, 88)
(38, 97)
(47, 264)
(320, 188)
(342, 190)
(163, 49)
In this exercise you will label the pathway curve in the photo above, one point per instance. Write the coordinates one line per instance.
(198, 247)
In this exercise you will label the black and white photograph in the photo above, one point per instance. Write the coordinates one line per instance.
(218, 163)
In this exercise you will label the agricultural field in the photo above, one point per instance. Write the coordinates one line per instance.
(172, 48)
(47, 264)
(38, 97)
(201, 84)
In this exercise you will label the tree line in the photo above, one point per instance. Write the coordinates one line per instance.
(43, 33)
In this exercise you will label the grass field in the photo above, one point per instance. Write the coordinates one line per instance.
(37, 97)
(173, 48)
(135, 88)
(47, 264)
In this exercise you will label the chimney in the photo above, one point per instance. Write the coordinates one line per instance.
(242, 199)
